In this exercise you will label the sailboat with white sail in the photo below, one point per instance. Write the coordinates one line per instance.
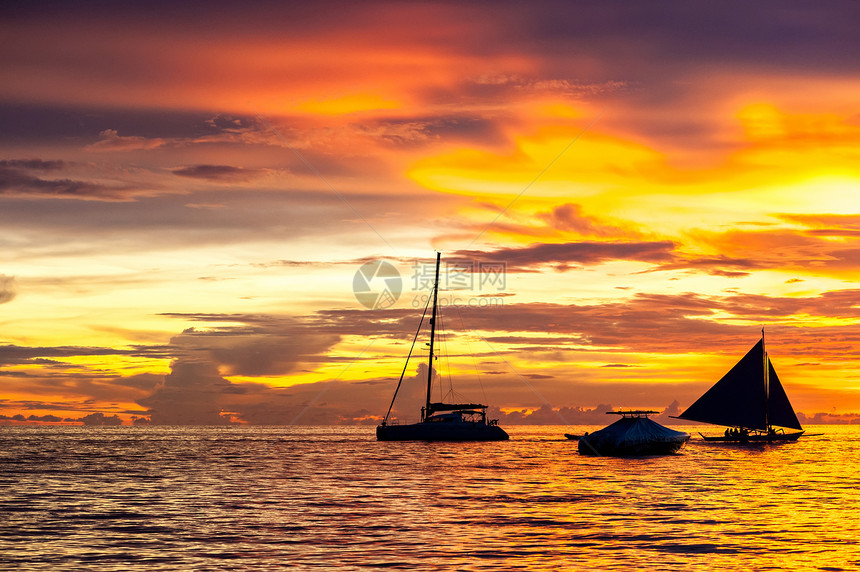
(750, 401)
(440, 421)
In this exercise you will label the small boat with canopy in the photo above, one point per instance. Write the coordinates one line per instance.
(440, 421)
(750, 401)
(634, 435)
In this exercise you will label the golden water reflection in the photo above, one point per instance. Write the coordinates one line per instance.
(333, 497)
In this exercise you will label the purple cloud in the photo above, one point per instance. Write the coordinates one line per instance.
(218, 173)
(535, 257)
(8, 288)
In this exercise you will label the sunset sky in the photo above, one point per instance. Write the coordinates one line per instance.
(188, 189)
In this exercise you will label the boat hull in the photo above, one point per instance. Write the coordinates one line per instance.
(776, 438)
(586, 447)
(441, 432)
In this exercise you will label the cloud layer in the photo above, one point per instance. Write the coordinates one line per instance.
(186, 195)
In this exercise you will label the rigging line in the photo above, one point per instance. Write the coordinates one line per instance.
(539, 175)
(524, 380)
(402, 373)
(328, 384)
(321, 178)
(446, 352)
(471, 353)
(443, 352)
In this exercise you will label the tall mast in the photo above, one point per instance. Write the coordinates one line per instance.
(432, 335)
(766, 380)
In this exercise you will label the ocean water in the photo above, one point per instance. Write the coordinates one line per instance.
(333, 498)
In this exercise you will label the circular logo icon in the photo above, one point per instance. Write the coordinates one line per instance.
(377, 285)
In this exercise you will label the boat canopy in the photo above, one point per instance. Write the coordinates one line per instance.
(433, 407)
(632, 436)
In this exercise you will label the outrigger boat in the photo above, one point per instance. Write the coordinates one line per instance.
(750, 401)
(440, 421)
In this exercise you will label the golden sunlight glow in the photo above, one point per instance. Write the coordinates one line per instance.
(224, 186)
(347, 104)
(552, 162)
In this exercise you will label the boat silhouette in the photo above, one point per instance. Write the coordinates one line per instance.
(634, 435)
(750, 401)
(440, 421)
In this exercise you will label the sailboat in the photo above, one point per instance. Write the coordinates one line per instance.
(750, 401)
(440, 421)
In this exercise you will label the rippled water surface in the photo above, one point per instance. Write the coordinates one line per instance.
(255, 498)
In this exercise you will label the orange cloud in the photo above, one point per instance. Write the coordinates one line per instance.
(715, 190)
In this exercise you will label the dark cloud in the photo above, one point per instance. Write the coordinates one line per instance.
(142, 382)
(659, 323)
(194, 392)
(536, 257)
(216, 173)
(833, 304)
(17, 182)
(721, 265)
(26, 121)
(13, 354)
(189, 395)
(770, 33)
(101, 420)
(546, 414)
(197, 392)
(32, 164)
(45, 418)
(810, 250)
(8, 288)
(652, 41)
(646, 323)
(829, 418)
(263, 345)
(669, 323)
(93, 419)
(574, 49)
